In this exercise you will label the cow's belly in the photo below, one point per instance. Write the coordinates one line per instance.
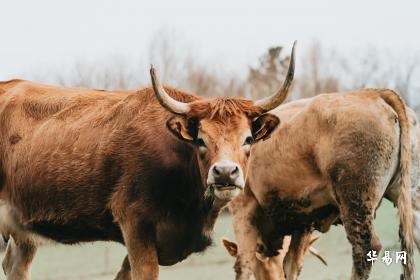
(284, 220)
(81, 229)
(284, 215)
(290, 220)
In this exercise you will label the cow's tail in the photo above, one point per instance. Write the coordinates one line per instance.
(405, 210)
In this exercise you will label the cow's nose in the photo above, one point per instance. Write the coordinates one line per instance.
(225, 173)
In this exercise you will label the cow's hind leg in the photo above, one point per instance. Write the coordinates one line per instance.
(18, 259)
(361, 234)
(125, 271)
(357, 205)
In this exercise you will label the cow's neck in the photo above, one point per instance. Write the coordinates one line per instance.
(210, 207)
(191, 229)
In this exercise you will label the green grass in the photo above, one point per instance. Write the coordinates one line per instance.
(99, 261)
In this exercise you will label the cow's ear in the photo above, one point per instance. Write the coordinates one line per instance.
(263, 126)
(183, 128)
(230, 246)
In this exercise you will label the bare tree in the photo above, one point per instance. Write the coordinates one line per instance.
(110, 72)
(268, 75)
(172, 55)
(321, 70)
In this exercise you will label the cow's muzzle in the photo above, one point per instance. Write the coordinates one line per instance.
(225, 180)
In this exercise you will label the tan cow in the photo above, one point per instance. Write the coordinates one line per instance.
(333, 159)
(148, 168)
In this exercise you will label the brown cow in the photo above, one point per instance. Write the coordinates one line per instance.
(83, 165)
(332, 160)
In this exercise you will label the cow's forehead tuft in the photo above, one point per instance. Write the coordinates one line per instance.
(223, 109)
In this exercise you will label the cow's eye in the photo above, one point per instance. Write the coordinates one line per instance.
(249, 140)
(200, 143)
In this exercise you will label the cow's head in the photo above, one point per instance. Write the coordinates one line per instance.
(268, 268)
(222, 131)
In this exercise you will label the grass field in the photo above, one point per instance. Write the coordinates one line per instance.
(100, 261)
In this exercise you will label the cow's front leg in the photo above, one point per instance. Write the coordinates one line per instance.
(18, 259)
(125, 271)
(139, 238)
(293, 262)
(243, 210)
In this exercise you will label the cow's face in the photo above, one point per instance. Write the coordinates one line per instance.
(267, 269)
(270, 268)
(222, 130)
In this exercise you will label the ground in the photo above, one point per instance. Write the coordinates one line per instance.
(100, 261)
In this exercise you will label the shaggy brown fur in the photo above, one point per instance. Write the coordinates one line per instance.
(221, 109)
(82, 165)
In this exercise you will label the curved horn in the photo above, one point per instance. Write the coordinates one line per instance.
(165, 100)
(315, 252)
(272, 101)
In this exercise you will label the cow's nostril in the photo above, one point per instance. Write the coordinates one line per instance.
(234, 171)
(216, 170)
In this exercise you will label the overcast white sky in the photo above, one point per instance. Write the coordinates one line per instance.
(36, 34)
